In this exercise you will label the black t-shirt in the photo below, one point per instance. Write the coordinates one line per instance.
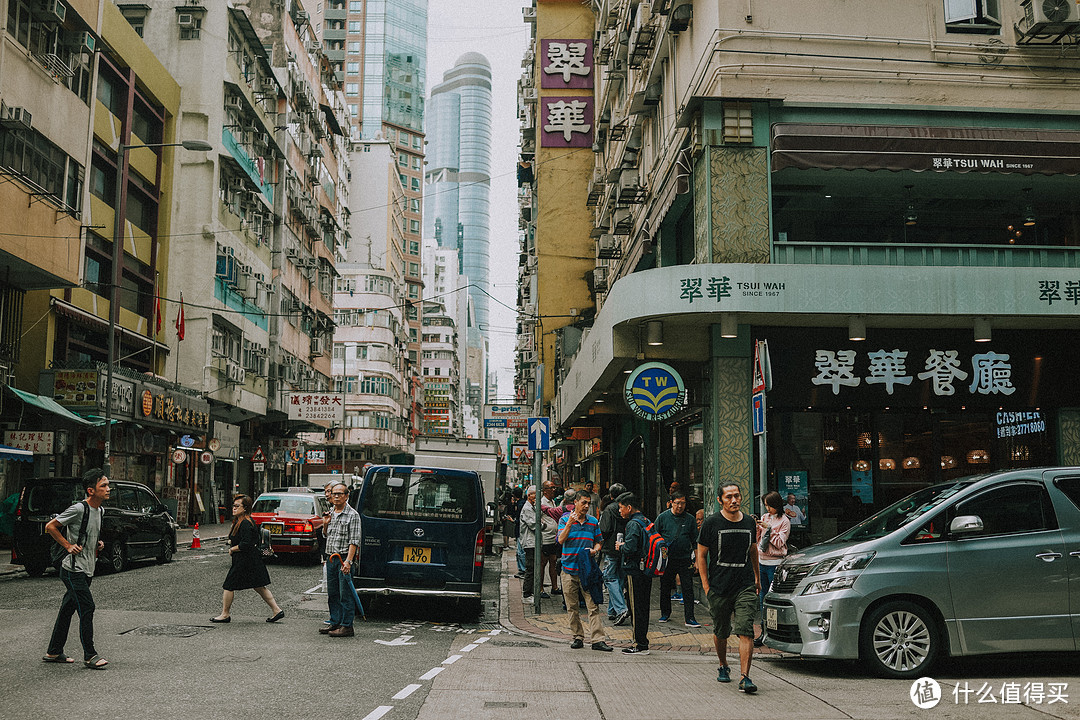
(729, 543)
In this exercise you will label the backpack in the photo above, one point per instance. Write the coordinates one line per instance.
(263, 548)
(655, 553)
(57, 553)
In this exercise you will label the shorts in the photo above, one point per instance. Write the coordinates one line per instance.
(550, 549)
(742, 603)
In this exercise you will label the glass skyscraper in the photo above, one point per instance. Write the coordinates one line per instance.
(395, 58)
(458, 179)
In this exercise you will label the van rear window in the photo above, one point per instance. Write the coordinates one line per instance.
(52, 498)
(401, 494)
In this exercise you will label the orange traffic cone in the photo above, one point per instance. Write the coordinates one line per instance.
(196, 544)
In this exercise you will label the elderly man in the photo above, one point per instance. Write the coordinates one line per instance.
(549, 549)
(594, 505)
(342, 542)
(579, 535)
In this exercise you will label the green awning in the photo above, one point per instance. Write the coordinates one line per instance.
(50, 405)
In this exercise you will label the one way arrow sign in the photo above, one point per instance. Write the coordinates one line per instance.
(539, 433)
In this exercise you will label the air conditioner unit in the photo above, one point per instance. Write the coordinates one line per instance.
(530, 94)
(600, 279)
(628, 180)
(608, 247)
(16, 117)
(235, 373)
(50, 11)
(234, 101)
(316, 150)
(528, 14)
(82, 42)
(1043, 17)
(185, 20)
(292, 253)
(318, 345)
(243, 278)
(300, 16)
(237, 182)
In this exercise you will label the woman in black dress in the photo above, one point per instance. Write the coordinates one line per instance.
(248, 570)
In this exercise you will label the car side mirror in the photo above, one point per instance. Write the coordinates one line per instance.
(964, 524)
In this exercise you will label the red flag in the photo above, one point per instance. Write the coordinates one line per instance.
(157, 315)
(180, 319)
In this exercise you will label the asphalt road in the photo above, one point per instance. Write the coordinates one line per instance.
(168, 661)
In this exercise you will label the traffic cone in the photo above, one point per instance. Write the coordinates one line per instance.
(196, 544)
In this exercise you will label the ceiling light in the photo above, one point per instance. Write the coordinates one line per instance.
(982, 330)
(856, 328)
(729, 325)
(654, 332)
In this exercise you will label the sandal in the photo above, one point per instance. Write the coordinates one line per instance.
(61, 658)
(96, 663)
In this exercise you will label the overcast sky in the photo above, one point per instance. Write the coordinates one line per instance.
(495, 29)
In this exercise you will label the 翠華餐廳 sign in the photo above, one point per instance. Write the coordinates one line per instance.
(655, 391)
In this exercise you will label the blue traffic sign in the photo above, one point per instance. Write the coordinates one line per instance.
(539, 433)
(758, 411)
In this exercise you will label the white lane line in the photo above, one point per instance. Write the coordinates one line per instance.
(431, 673)
(470, 647)
(495, 632)
(317, 590)
(406, 691)
(451, 660)
(481, 640)
(378, 712)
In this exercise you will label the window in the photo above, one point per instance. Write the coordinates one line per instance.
(354, 47)
(415, 184)
(414, 226)
(356, 6)
(973, 16)
(414, 269)
(403, 160)
(98, 265)
(352, 89)
(414, 247)
(32, 155)
(353, 68)
(416, 142)
(191, 31)
(354, 110)
(1015, 508)
(414, 205)
(355, 26)
(404, 495)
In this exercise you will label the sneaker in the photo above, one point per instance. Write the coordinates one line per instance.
(663, 618)
(557, 591)
(759, 641)
(519, 576)
(545, 596)
(677, 596)
(693, 624)
(723, 674)
(623, 618)
(602, 646)
(635, 651)
(747, 685)
(577, 644)
(527, 596)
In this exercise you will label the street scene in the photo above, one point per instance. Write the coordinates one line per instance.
(540, 359)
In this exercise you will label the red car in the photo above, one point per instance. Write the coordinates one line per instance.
(291, 519)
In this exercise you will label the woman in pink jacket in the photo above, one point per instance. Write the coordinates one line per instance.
(773, 531)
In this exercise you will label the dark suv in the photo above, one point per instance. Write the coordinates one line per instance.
(136, 525)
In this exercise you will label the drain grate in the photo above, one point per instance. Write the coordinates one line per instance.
(516, 643)
(181, 631)
(494, 704)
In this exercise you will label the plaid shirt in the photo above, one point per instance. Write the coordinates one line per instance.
(343, 530)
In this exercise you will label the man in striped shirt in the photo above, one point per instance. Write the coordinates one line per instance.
(579, 535)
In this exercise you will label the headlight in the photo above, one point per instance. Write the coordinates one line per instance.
(824, 586)
(844, 563)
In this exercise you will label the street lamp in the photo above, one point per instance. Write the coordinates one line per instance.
(117, 275)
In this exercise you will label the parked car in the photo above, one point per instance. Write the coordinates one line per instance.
(983, 564)
(135, 526)
(423, 533)
(291, 519)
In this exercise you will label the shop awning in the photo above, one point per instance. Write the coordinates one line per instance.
(50, 405)
(10, 453)
(918, 149)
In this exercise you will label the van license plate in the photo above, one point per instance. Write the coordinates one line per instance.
(417, 554)
(771, 620)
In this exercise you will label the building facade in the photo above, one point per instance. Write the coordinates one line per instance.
(894, 228)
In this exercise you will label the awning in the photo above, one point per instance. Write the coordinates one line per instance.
(50, 405)
(331, 119)
(10, 453)
(918, 149)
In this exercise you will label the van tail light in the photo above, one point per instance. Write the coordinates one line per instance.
(478, 550)
(14, 556)
(19, 505)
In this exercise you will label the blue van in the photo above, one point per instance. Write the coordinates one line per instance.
(423, 533)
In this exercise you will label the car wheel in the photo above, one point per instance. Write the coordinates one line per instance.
(165, 551)
(900, 640)
(116, 557)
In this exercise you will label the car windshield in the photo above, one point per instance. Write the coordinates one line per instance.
(284, 505)
(903, 511)
(405, 494)
(52, 498)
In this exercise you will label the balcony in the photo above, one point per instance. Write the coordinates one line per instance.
(917, 255)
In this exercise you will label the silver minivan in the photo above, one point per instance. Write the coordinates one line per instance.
(983, 564)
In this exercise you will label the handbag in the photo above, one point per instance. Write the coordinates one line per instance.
(57, 552)
(265, 551)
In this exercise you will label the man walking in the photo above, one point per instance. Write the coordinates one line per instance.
(638, 583)
(728, 564)
(612, 525)
(342, 543)
(594, 505)
(679, 530)
(579, 535)
(527, 537)
(77, 569)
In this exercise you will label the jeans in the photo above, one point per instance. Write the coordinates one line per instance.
(520, 556)
(340, 594)
(615, 584)
(530, 573)
(76, 599)
(767, 572)
(681, 568)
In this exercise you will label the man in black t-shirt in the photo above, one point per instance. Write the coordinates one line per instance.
(728, 565)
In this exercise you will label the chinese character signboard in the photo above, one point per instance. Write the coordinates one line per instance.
(316, 407)
(566, 64)
(566, 121)
(160, 407)
(75, 388)
(36, 441)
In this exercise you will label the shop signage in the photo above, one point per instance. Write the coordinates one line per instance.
(37, 442)
(123, 396)
(567, 121)
(179, 456)
(986, 373)
(214, 445)
(169, 409)
(206, 458)
(1014, 424)
(507, 416)
(315, 457)
(655, 391)
(316, 407)
(566, 64)
(793, 486)
(75, 388)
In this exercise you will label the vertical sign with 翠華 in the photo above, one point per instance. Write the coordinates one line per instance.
(655, 391)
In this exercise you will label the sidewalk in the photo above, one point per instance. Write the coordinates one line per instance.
(553, 623)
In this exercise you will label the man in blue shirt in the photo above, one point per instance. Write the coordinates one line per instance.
(579, 535)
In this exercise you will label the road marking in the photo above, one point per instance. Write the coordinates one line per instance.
(481, 640)
(406, 691)
(495, 632)
(378, 712)
(317, 590)
(470, 647)
(401, 640)
(451, 660)
(430, 674)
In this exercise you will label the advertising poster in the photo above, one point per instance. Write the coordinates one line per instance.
(794, 491)
(862, 486)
